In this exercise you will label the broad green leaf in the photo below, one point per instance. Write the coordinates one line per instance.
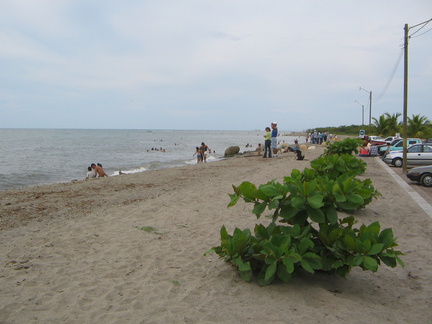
(289, 264)
(304, 245)
(223, 233)
(296, 230)
(370, 263)
(402, 264)
(270, 190)
(386, 237)
(316, 215)
(283, 274)
(375, 249)
(270, 272)
(357, 260)
(274, 204)
(374, 228)
(313, 260)
(240, 239)
(349, 241)
(355, 199)
(259, 208)
(305, 265)
(340, 197)
(261, 277)
(261, 232)
(244, 268)
(248, 190)
(288, 212)
(337, 264)
(309, 187)
(389, 260)
(315, 201)
(335, 234)
(298, 202)
(366, 246)
(331, 215)
(234, 199)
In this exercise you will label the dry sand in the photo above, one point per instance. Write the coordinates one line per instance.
(77, 253)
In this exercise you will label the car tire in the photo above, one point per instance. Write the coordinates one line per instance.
(398, 162)
(426, 180)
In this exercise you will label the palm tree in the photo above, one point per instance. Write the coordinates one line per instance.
(381, 124)
(417, 125)
(392, 124)
(387, 124)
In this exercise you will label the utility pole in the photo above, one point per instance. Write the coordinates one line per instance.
(362, 111)
(405, 101)
(405, 96)
(370, 108)
(370, 111)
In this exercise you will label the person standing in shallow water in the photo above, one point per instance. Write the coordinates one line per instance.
(267, 143)
(204, 149)
(199, 155)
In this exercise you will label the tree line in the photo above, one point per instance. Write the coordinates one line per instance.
(386, 125)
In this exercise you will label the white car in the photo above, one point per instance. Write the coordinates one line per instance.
(391, 139)
(417, 154)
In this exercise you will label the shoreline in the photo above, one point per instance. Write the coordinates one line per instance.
(130, 249)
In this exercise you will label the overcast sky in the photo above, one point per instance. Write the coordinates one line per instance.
(216, 65)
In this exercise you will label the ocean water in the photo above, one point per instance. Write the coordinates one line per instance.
(30, 157)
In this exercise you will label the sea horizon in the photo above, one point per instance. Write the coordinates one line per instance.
(37, 156)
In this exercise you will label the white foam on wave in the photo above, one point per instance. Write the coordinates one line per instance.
(142, 169)
(210, 158)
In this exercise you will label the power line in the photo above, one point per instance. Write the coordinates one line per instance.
(424, 24)
(427, 31)
(395, 68)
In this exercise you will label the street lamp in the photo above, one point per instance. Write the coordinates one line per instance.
(370, 108)
(362, 111)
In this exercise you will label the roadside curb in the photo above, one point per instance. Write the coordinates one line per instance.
(427, 208)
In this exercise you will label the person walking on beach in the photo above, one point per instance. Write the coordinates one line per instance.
(274, 134)
(99, 170)
(267, 143)
(199, 155)
(204, 149)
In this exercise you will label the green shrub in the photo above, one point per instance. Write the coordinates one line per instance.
(309, 235)
(336, 165)
(347, 146)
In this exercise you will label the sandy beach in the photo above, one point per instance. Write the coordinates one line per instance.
(130, 249)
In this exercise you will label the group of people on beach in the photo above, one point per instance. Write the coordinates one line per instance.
(95, 171)
(201, 153)
(271, 144)
(270, 141)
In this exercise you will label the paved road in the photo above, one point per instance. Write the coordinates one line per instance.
(421, 194)
(425, 192)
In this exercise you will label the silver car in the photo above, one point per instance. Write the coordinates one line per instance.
(417, 154)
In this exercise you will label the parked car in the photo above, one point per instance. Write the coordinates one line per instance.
(398, 145)
(421, 174)
(390, 139)
(383, 147)
(417, 154)
(371, 138)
